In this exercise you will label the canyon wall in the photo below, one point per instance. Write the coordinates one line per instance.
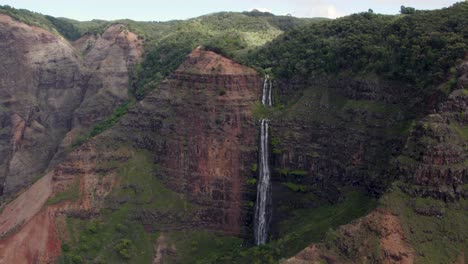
(50, 91)
(420, 218)
(42, 82)
(196, 131)
(199, 127)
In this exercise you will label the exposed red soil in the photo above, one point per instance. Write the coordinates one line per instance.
(36, 242)
(382, 224)
(28, 226)
(394, 247)
(210, 63)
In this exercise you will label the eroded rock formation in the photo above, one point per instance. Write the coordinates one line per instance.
(198, 124)
(48, 89)
(203, 139)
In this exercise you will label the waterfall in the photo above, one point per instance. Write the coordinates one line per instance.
(262, 206)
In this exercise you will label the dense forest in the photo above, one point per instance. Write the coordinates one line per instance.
(420, 48)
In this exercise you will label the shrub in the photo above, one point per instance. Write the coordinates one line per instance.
(124, 248)
(295, 187)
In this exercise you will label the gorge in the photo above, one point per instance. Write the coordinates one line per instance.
(234, 138)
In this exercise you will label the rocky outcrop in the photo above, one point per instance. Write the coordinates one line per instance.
(376, 238)
(433, 171)
(42, 81)
(30, 225)
(434, 161)
(111, 59)
(335, 133)
(48, 89)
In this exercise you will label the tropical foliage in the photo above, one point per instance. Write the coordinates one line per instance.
(419, 47)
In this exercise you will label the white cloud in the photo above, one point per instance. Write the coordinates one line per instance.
(262, 9)
(318, 9)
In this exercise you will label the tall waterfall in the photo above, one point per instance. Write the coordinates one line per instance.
(262, 207)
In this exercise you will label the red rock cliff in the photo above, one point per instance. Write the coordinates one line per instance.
(199, 125)
(199, 129)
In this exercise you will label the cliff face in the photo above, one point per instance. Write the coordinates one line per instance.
(111, 57)
(434, 161)
(199, 126)
(42, 82)
(421, 218)
(195, 134)
(336, 133)
(48, 89)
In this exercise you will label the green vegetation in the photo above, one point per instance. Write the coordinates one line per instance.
(201, 246)
(28, 17)
(167, 43)
(297, 174)
(375, 107)
(109, 122)
(222, 91)
(419, 48)
(254, 167)
(275, 143)
(71, 194)
(105, 241)
(117, 235)
(407, 10)
(310, 225)
(230, 34)
(436, 229)
(125, 247)
(460, 129)
(252, 181)
(304, 227)
(295, 187)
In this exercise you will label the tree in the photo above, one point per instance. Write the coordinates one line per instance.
(407, 10)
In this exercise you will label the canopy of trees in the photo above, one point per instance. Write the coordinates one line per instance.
(419, 48)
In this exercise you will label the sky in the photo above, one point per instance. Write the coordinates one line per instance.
(163, 10)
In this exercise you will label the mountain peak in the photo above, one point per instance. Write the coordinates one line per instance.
(201, 61)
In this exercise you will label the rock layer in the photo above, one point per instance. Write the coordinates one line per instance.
(41, 83)
(203, 140)
(48, 89)
(200, 128)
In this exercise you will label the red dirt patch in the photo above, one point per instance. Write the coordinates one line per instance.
(380, 224)
(207, 62)
(36, 242)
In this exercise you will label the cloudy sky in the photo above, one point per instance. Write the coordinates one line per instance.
(162, 10)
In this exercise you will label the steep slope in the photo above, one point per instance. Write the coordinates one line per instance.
(178, 161)
(355, 112)
(42, 82)
(421, 218)
(111, 58)
(47, 89)
(199, 127)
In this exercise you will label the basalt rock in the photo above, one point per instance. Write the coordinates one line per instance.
(41, 83)
(110, 58)
(49, 94)
(203, 141)
(337, 132)
(434, 159)
(198, 124)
